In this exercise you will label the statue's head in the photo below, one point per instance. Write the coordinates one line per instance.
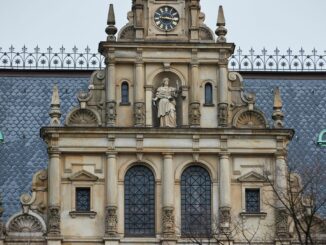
(165, 81)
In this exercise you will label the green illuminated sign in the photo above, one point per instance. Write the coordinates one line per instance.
(322, 138)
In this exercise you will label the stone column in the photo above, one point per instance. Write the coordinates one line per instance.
(225, 192)
(139, 95)
(168, 197)
(194, 112)
(54, 200)
(111, 218)
(149, 113)
(282, 231)
(223, 103)
(110, 91)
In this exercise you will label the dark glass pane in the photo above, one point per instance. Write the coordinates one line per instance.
(139, 202)
(124, 93)
(252, 201)
(208, 94)
(195, 202)
(83, 196)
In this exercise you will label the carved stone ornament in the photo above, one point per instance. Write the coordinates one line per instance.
(22, 224)
(225, 220)
(139, 114)
(111, 113)
(168, 222)
(111, 221)
(222, 114)
(82, 117)
(54, 221)
(194, 115)
(249, 119)
(282, 229)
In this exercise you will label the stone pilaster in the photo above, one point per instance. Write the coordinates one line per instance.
(225, 192)
(168, 224)
(139, 95)
(281, 216)
(194, 107)
(111, 217)
(223, 103)
(54, 193)
(148, 104)
(110, 90)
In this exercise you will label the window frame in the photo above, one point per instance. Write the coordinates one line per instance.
(89, 199)
(127, 102)
(246, 201)
(205, 95)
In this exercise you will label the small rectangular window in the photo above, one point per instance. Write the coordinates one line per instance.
(252, 200)
(83, 198)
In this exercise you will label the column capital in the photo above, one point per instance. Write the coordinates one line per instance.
(167, 155)
(111, 154)
(224, 155)
(280, 154)
(53, 152)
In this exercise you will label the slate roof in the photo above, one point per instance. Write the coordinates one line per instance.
(25, 104)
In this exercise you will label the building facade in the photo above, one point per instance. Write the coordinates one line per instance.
(164, 147)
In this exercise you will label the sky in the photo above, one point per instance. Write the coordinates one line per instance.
(250, 23)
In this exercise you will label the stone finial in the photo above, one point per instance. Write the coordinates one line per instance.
(221, 31)
(55, 113)
(278, 115)
(111, 30)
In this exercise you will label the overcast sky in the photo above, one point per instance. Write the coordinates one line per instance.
(251, 23)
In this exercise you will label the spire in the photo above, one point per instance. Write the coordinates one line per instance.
(278, 115)
(221, 31)
(55, 113)
(111, 30)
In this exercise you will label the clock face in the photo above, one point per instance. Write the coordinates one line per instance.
(166, 18)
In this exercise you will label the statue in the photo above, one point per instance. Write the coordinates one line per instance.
(166, 97)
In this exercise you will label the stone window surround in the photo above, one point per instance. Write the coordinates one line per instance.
(257, 186)
(74, 213)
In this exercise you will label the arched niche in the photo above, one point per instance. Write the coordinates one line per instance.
(176, 82)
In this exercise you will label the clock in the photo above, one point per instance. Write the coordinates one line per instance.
(166, 18)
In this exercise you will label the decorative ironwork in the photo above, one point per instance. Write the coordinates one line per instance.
(277, 61)
(252, 200)
(75, 59)
(139, 202)
(83, 199)
(195, 202)
(50, 60)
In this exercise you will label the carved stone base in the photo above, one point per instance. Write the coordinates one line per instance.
(194, 114)
(111, 113)
(222, 114)
(54, 221)
(225, 222)
(139, 114)
(282, 229)
(168, 222)
(111, 221)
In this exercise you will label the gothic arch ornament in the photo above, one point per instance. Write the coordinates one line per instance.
(83, 117)
(26, 224)
(249, 119)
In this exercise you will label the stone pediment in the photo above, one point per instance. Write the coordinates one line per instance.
(83, 175)
(252, 177)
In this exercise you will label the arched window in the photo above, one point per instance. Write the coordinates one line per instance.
(124, 93)
(208, 94)
(139, 202)
(195, 202)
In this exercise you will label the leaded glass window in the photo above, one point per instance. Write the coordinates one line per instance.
(252, 200)
(208, 94)
(195, 202)
(124, 93)
(139, 202)
(83, 199)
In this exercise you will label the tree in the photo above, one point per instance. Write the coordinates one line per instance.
(304, 204)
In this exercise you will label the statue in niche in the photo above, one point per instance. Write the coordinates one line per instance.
(165, 100)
